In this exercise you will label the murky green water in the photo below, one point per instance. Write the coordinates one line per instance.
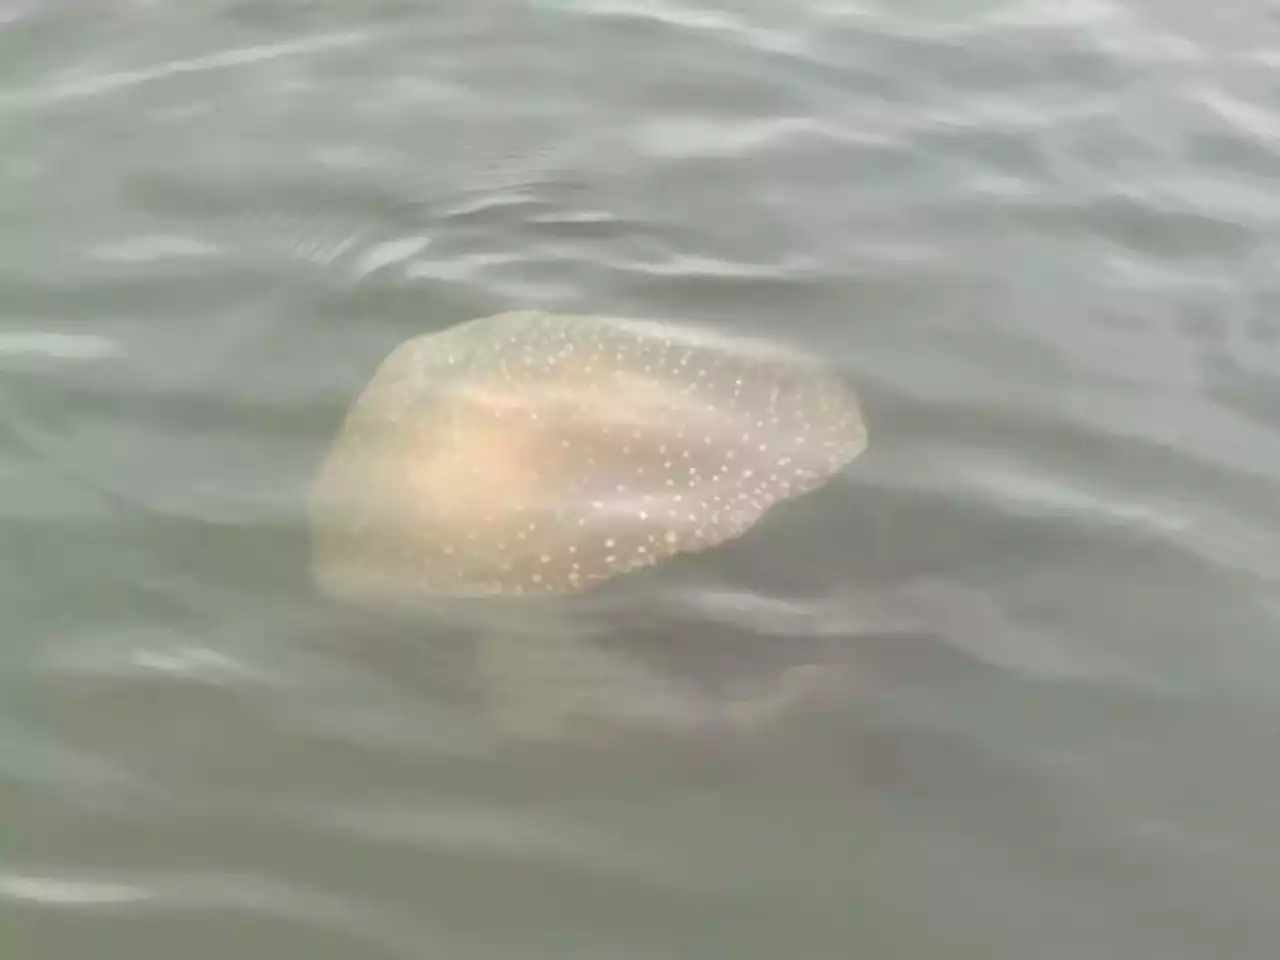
(1040, 239)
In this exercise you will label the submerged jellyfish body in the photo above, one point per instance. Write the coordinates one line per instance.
(531, 453)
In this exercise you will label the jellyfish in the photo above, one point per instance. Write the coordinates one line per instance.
(534, 455)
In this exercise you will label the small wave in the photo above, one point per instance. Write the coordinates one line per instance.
(153, 248)
(1056, 496)
(165, 892)
(96, 86)
(60, 891)
(58, 346)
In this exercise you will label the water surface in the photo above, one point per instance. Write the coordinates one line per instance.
(1038, 238)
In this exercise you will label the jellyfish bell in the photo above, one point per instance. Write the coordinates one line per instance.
(534, 453)
(530, 456)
